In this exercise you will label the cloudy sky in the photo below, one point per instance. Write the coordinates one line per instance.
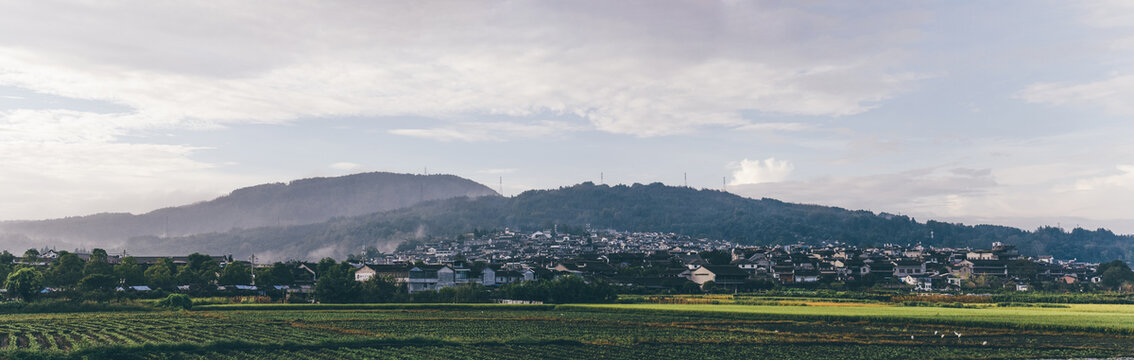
(1014, 112)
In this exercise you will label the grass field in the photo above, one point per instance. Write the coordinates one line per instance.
(575, 331)
(1102, 318)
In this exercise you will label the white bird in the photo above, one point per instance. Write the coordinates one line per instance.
(911, 337)
(934, 332)
(942, 336)
(984, 343)
(957, 333)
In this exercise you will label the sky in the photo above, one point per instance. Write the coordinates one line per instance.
(1009, 112)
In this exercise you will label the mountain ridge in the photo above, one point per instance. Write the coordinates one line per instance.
(296, 202)
(646, 207)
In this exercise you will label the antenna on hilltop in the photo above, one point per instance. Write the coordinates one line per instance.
(686, 177)
(601, 178)
(724, 186)
(426, 170)
(501, 186)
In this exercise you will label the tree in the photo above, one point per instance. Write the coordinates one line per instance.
(130, 272)
(336, 285)
(199, 270)
(716, 257)
(31, 256)
(160, 275)
(1115, 273)
(24, 283)
(67, 270)
(1023, 268)
(99, 255)
(380, 289)
(236, 273)
(278, 274)
(98, 282)
(98, 264)
(6, 258)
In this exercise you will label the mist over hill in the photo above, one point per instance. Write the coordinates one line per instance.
(298, 202)
(653, 207)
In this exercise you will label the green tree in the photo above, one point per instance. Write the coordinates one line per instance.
(1025, 269)
(1115, 273)
(236, 273)
(6, 258)
(98, 264)
(278, 274)
(99, 255)
(199, 271)
(381, 289)
(5, 269)
(65, 271)
(716, 257)
(31, 256)
(130, 272)
(160, 275)
(98, 282)
(336, 284)
(24, 283)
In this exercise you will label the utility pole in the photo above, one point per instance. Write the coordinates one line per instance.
(501, 185)
(601, 178)
(685, 176)
(252, 268)
(724, 187)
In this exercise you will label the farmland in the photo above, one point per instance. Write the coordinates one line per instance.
(574, 331)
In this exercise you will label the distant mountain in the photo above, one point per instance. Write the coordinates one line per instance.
(299, 202)
(653, 207)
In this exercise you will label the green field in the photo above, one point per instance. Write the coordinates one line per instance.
(574, 331)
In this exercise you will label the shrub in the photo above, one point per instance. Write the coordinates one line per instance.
(176, 301)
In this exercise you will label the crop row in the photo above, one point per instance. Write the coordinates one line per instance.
(664, 351)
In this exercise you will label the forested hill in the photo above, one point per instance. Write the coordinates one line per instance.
(654, 207)
(299, 202)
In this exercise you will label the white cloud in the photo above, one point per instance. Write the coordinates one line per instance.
(1112, 95)
(60, 163)
(490, 131)
(757, 172)
(1125, 180)
(624, 72)
(346, 166)
(776, 126)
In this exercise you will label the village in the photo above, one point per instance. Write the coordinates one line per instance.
(636, 262)
(659, 261)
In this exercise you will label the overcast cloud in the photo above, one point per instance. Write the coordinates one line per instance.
(1013, 109)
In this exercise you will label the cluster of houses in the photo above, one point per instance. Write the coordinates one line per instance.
(433, 277)
(510, 246)
(660, 260)
(671, 260)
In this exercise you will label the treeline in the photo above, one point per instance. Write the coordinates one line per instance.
(71, 277)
